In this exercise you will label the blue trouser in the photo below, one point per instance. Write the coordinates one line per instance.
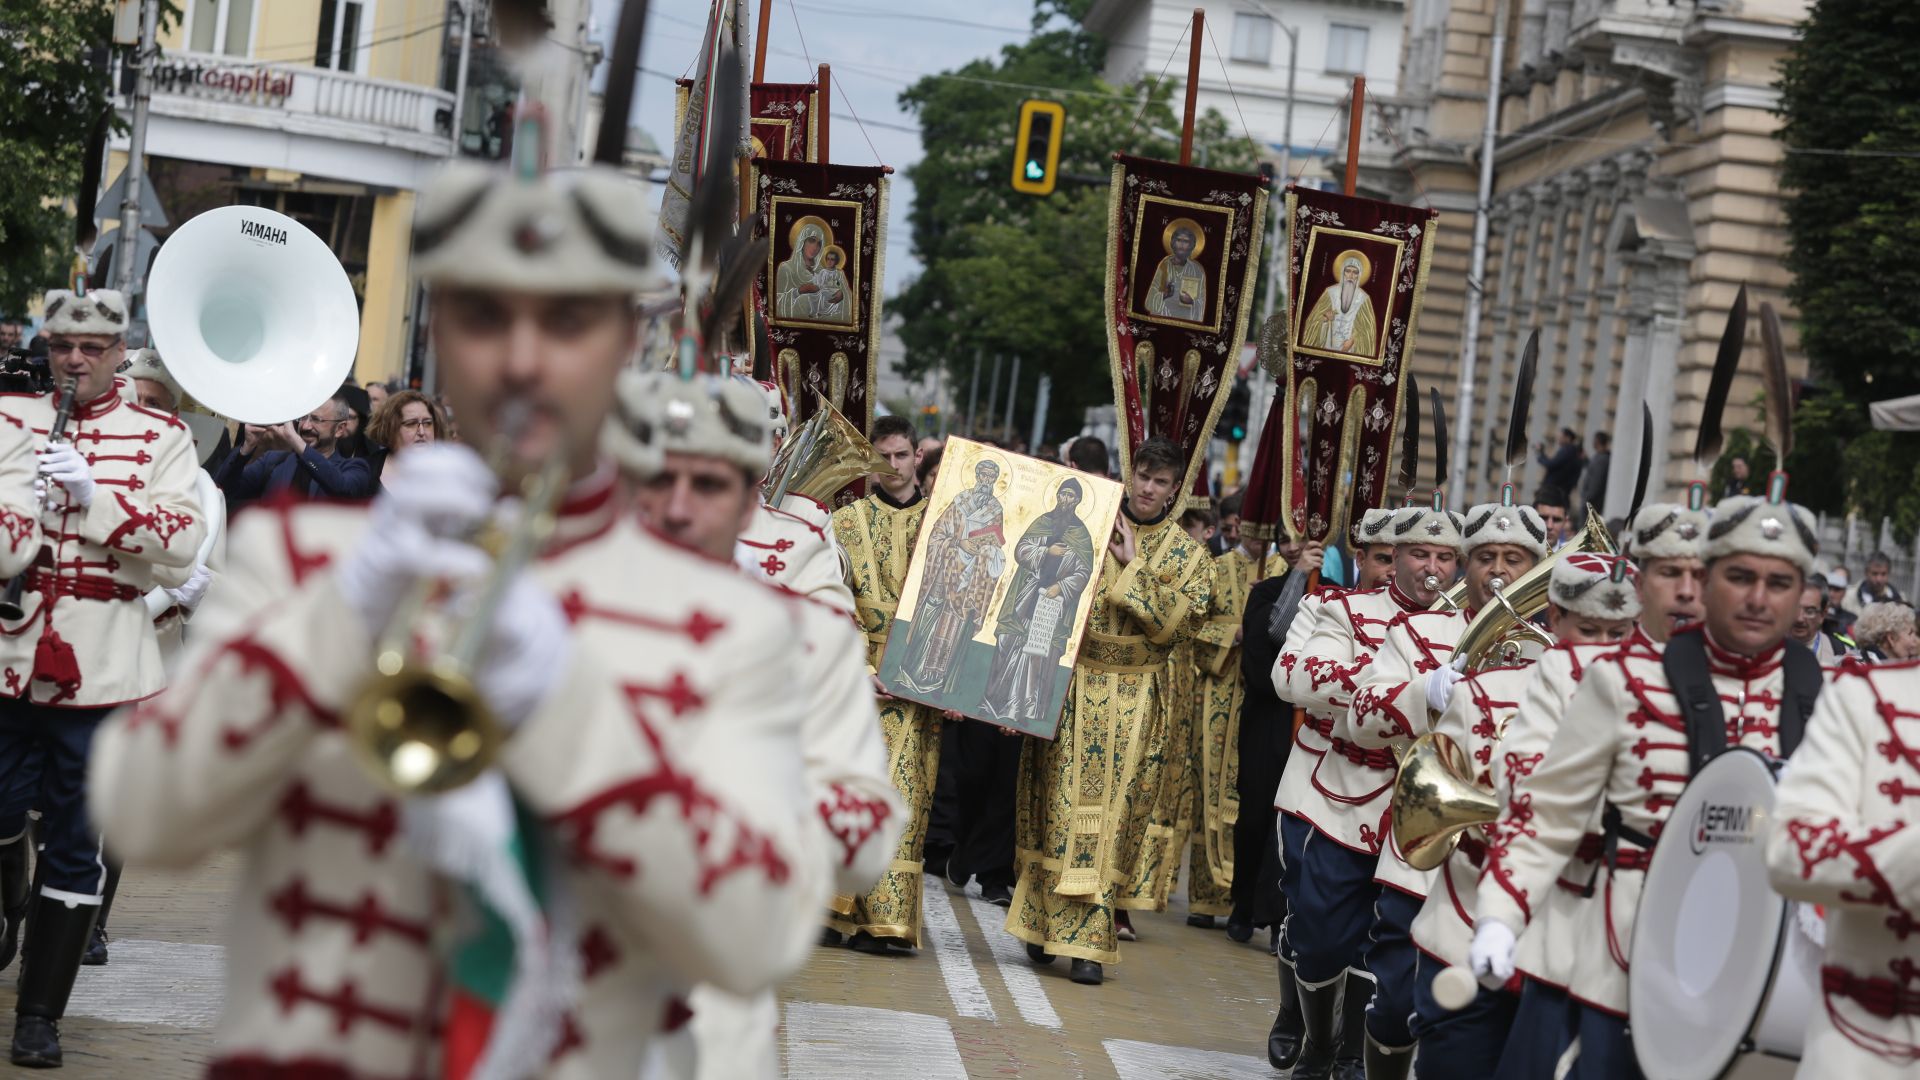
(1606, 1050)
(1330, 896)
(1463, 1045)
(1541, 1031)
(43, 766)
(1391, 958)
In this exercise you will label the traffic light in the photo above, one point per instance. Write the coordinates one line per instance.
(1233, 415)
(1036, 152)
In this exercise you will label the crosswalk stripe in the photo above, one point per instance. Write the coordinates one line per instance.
(838, 1042)
(950, 950)
(1147, 1061)
(1010, 957)
(153, 982)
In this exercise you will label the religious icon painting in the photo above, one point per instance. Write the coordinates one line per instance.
(820, 294)
(1183, 253)
(1347, 298)
(1000, 588)
(1176, 254)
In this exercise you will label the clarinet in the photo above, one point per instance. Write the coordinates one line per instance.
(11, 609)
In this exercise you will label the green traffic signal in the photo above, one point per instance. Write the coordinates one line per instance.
(1035, 170)
(1036, 151)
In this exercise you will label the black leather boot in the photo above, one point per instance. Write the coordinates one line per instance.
(1086, 972)
(1320, 1025)
(1283, 1039)
(1388, 1064)
(96, 954)
(1353, 1029)
(57, 936)
(1039, 954)
(15, 884)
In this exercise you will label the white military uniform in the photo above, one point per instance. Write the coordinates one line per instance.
(661, 767)
(792, 546)
(1846, 835)
(87, 640)
(170, 615)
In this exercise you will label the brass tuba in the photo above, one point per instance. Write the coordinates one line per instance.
(821, 456)
(1435, 800)
(1504, 634)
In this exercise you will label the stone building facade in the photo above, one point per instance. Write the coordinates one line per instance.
(1636, 190)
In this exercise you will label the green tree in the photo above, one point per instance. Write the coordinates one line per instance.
(1850, 107)
(50, 95)
(1009, 274)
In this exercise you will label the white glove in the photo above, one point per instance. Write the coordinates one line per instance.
(1440, 686)
(1492, 954)
(63, 465)
(189, 595)
(431, 495)
(527, 653)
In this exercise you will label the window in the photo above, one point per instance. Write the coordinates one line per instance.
(223, 26)
(1252, 38)
(1347, 49)
(337, 42)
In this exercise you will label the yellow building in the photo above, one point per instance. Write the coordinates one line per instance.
(1636, 188)
(333, 112)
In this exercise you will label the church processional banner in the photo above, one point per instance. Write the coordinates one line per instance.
(1357, 273)
(1000, 588)
(1183, 254)
(820, 298)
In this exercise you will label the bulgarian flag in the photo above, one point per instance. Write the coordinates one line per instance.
(510, 986)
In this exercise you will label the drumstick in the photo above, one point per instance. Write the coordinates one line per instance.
(1454, 988)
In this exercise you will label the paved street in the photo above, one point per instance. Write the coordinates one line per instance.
(1185, 1004)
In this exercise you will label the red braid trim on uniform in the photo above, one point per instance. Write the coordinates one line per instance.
(1883, 999)
(852, 819)
(260, 1067)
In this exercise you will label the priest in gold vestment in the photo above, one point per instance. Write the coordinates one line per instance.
(878, 533)
(1087, 795)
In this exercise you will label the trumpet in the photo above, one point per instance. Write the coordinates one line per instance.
(419, 725)
(1435, 799)
(12, 607)
(1446, 601)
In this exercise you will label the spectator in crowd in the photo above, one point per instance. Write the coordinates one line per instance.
(359, 411)
(11, 334)
(1228, 535)
(1551, 502)
(303, 457)
(1809, 622)
(405, 419)
(1839, 618)
(930, 464)
(1089, 455)
(377, 392)
(1593, 486)
(1876, 589)
(1886, 632)
(930, 443)
(1739, 479)
(1201, 523)
(1563, 466)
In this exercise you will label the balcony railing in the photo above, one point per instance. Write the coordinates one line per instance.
(305, 101)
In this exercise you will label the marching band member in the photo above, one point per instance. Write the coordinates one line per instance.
(1627, 745)
(1592, 603)
(1330, 883)
(119, 517)
(696, 478)
(878, 534)
(637, 830)
(20, 514)
(1410, 684)
(1665, 543)
(1087, 795)
(155, 389)
(792, 545)
(1846, 835)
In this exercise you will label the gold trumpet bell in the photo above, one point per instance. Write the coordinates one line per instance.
(422, 730)
(1435, 799)
(1503, 634)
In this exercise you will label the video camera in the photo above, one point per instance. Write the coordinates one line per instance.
(26, 371)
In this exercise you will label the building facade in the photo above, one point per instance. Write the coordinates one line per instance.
(1636, 189)
(335, 113)
(1336, 39)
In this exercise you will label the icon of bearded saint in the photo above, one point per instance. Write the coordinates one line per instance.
(1342, 319)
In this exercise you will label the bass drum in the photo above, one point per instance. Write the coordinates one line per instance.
(1720, 964)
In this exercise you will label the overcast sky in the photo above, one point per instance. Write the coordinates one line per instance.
(876, 50)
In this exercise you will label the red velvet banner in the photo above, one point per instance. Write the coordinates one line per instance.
(819, 297)
(1356, 279)
(783, 121)
(1183, 252)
